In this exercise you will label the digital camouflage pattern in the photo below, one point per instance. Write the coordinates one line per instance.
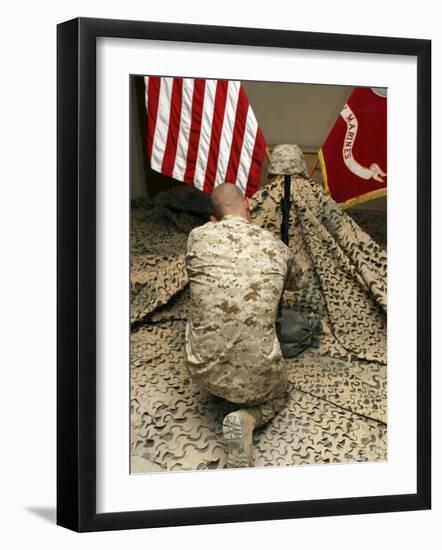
(287, 159)
(336, 410)
(236, 273)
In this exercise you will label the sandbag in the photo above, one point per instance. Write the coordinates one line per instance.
(296, 332)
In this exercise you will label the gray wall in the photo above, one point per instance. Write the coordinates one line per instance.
(296, 113)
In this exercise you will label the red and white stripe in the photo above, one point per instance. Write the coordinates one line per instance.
(203, 132)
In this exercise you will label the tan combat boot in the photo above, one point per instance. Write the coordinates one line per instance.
(238, 429)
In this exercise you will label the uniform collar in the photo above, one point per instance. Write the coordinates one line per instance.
(233, 217)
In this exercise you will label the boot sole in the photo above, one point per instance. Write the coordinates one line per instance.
(235, 436)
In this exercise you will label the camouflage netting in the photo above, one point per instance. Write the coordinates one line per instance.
(338, 392)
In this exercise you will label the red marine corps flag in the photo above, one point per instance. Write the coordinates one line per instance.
(354, 156)
(203, 132)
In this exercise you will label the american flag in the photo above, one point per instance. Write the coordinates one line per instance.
(203, 132)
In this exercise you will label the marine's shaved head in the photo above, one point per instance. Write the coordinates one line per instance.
(227, 199)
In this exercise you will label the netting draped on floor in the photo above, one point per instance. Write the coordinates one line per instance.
(337, 406)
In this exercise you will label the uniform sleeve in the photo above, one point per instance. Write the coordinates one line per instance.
(189, 242)
(189, 248)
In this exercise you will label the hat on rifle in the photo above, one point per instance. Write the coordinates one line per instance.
(287, 160)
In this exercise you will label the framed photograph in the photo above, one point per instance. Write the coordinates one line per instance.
(224, 278)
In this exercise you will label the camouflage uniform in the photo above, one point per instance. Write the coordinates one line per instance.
(237, 272)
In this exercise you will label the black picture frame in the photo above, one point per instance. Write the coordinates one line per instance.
(76, 273)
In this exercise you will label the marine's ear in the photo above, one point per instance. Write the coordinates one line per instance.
(212, 218)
